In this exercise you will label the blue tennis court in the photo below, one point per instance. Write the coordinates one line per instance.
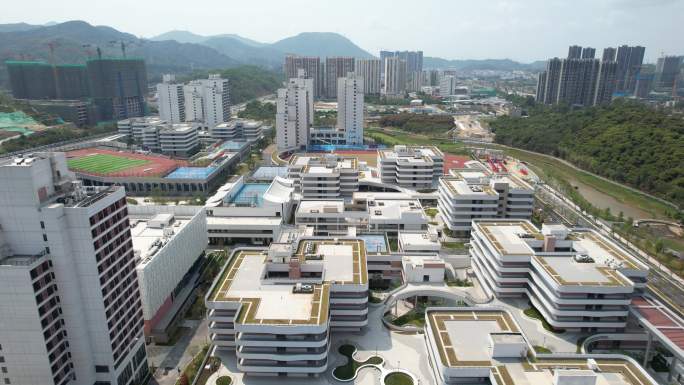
(374, 243)
(342, 147)
(251, 194)
(191, 173)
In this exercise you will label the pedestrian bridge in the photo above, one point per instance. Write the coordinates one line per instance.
(440, 290)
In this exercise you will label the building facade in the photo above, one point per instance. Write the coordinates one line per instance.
(74, 300)
(395, 77)
(171, 100)
(336, 67)
(350, 108)
(313, 69)
(294, 114)
(369, 70)
(415, 167)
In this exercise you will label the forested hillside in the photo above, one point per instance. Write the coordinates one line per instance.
(246, 82)
(627, 141)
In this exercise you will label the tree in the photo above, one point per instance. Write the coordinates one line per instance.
(659, 246)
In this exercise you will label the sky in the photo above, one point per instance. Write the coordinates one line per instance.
(522, 30)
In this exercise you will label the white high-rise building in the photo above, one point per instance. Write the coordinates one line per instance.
(447, 85)
(395, 77)
(71, 309)
(369, 70)
(350, 108)
(171, 100)
(294, 114)
(207, 101)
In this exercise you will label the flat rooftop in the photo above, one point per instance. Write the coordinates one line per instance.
(463, 339)
(506, 236)
(418, 239)
(272, 301)
(657, 317)
(458, 186)
(151, 240)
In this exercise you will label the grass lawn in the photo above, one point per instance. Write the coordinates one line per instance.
(347, 371)
(223, 380)
(542, 349)
(104, 163)
(398, 378)
(391, 137)
(453, 245)
(431, 212)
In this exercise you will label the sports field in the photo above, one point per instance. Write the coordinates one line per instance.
(104, 163)
(113, 163)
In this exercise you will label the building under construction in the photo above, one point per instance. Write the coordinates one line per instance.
(117, 87)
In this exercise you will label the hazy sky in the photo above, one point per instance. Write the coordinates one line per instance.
(523, 30)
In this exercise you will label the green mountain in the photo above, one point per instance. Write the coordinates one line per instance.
(189, 37)
(320, 44)
(627, 141)
(76, 41)
(484, 64)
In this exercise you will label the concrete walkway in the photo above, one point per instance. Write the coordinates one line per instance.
(169, 358)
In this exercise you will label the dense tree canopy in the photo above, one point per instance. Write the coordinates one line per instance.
(627, 141)
(419, 123)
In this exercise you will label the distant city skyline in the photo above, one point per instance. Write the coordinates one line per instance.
(524, 31)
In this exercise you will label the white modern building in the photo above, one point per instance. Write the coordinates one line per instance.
(294, 114)
(350, 108)
(485, 345)
(409, 166)
(168, 247)
(249, 212)
(71, 308)
(324, 177)
(171, 100)
(276, 307)
(178, 140)
(472, 194)
(395, 77)
(577, 279)
(247, 129)
(207, 101)
(134, 127)
(447, 85)
(337, 217)
(369, 70)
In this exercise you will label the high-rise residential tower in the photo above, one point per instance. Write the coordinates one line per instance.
(609, 54)
(575, 52)
(71, 307)
(336, 67)
(171, 100)
(118, 87)
(313, 69)
(395, 77)
(207, 101)
(629, 61)
(294, 114)
(350, 108)
(588, 53)
(369, 70)
(667, 71)
(605, 82)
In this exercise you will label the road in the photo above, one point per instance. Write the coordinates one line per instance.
(663, 283)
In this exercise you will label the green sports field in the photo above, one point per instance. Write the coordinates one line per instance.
(104, 163)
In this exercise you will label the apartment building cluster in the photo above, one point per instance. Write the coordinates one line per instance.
(470, 194)
(276, 306)
(411, 166)
(295, 113)
(70, 298)
(577, 279)
(583, 80)
(204, 103)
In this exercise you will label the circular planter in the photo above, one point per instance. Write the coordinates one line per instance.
(407, 377)
(362, 364)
